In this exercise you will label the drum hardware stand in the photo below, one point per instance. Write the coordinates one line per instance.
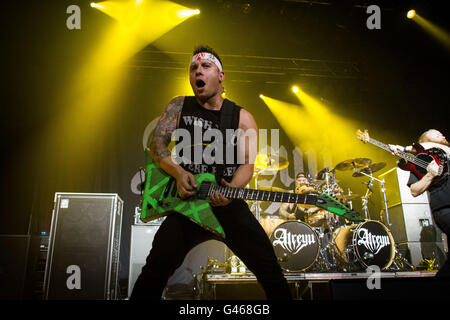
(331, 244)
(399, 261)
(365, 199)
(350, 202)
(323, 261)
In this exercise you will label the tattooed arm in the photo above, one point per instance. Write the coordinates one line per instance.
(160, 152)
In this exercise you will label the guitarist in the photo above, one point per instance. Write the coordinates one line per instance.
(439, 192)
(177, 235)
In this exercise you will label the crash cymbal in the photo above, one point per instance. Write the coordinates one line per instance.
(351, 164)
(347, 197)
(271, 162)
(370, 169)
(276, 189)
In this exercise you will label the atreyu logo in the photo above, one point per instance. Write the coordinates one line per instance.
(373, 243)
(291, 242)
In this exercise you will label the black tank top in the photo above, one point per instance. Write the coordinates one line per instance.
(197, 121)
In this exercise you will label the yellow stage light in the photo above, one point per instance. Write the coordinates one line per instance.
(187, 13)
(295, 89)
(440, 34)
(96, 5)
(261, 96)
(411, 14)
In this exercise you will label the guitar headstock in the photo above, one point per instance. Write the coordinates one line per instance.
(363, 135)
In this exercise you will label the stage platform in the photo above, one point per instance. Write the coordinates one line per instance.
(328, 286)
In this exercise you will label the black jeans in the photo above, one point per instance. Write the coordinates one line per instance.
(177, 235)
(442, 219)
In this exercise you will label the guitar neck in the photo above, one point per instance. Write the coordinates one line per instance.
(262, 195)
(401, 154)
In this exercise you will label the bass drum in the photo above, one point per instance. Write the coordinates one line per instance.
(296, 246)
(369, 243)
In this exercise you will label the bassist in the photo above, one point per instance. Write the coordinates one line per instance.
(439, 192)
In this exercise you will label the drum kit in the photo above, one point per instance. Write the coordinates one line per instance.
(322, 241)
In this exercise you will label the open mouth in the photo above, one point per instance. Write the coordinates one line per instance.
(200, 83)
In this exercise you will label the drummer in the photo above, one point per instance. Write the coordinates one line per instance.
(291, 211)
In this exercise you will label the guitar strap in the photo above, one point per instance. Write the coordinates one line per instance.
(229, 119)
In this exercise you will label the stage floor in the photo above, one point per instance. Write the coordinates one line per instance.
(314, 286)
(310, 276)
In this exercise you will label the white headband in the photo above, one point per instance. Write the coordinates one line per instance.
(207, 56)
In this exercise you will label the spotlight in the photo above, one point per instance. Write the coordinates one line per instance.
(187, 13)
(96, 5)
(411, 14)
(261, 96)
(295, 89)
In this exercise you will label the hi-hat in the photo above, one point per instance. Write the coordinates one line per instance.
(370, 169)
(351, 164)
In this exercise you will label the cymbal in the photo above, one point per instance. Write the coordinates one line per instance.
(347, 197)
(353, 163)
(271, 162)
(276, 189)
(370, 169)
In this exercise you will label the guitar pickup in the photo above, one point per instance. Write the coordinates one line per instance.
(204, 190)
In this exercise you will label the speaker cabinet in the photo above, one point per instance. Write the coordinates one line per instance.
(412, 224)
(84, 245)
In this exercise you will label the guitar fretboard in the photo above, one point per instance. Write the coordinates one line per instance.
(401, 154)
(263, 195)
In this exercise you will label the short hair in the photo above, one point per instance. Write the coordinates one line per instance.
(300, 173)
(423, 136)
(208, 49)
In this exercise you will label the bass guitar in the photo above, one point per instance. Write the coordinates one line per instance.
(418, 163)
(160, 197)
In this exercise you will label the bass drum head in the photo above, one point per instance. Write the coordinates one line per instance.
(373, 244)
(296, 245)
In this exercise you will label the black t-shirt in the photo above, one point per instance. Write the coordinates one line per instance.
(439, 193)
(195, 116)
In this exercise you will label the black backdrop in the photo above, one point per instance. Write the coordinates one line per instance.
(399, 89)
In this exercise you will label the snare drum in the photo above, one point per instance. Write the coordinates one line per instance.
(296, 245)
(369, 243)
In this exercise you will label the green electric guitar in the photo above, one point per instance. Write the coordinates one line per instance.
(160, 197)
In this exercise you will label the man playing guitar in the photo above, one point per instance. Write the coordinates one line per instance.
(177, 235)
(440, 191)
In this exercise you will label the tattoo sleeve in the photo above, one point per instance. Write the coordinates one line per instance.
(167, 123)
